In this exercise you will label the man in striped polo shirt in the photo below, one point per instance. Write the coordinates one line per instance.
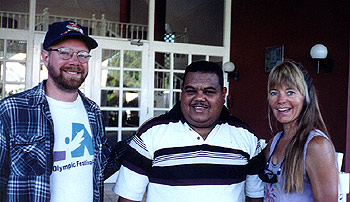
(196, 152)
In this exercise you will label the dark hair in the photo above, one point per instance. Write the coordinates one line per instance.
(206, 67)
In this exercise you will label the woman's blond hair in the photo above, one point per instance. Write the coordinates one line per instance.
(293, 74)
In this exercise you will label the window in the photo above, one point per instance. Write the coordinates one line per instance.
(13, 57)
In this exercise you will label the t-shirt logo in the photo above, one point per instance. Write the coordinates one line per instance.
(76, 145)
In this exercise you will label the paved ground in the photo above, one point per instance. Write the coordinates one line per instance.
(110, 196)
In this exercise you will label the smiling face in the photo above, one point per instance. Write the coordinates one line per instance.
(286, 104)
(67, 75)
(202, 99)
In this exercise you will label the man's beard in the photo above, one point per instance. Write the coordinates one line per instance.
(66, 83)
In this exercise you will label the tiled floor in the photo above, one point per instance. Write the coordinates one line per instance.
(110, 196)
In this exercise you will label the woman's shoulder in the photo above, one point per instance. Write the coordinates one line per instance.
(319, 144)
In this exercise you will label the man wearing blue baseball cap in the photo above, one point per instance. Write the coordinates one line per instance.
(52, 141)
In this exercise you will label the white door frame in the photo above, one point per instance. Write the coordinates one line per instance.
(93, 84)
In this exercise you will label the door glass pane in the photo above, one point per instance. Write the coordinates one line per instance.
(1, 88)
(110, 58)
(161, 80)
(161, 99)
(110, 78)
(16, 50)
(159, 112)
(198, 57)
(2, 49)
(110, 118)
(132, 79)
(43, 72)
(130, 118)
(180, 61)
(1, 68)
(131, 99)
(112, 137)
(162, 60)
(15, 71)
(176, 97)
(11, 89)
(126, 134)
(216, 59)
(178, 80)
(109, 98)
(132, 59)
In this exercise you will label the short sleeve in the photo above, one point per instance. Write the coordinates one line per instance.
(133, 178)
(254, 186)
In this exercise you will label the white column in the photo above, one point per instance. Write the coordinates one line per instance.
(151, 59)
(30, 45)
(227, 38)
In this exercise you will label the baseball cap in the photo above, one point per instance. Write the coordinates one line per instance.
(68, 29)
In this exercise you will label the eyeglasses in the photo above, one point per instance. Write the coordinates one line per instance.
(268, 176)
(67, 53)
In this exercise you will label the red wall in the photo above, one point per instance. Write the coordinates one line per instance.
(298, 25)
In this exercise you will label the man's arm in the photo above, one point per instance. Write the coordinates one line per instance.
(257, 163)
(133, 175)
(116, 157)
(254, 166)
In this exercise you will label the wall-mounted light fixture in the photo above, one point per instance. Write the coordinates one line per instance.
(229, 68)
(318, 52)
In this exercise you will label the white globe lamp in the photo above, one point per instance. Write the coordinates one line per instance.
(318, 52)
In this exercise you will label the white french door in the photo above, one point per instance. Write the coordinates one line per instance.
(119, 83)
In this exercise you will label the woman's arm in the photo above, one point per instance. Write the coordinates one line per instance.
(322, 170)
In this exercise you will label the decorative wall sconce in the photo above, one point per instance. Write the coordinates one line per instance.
(318, 52)
(229, 68)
